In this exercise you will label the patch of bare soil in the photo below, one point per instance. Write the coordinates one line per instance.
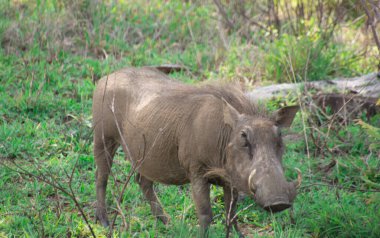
(251, 231)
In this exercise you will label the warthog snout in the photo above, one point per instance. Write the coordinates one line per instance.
(277, 204)
(274, 194)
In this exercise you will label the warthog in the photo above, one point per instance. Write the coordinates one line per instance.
(175, 133)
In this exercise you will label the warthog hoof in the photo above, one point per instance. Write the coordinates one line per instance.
(164, 219)
(101, 216)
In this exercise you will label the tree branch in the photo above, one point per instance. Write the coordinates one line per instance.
(224, 14)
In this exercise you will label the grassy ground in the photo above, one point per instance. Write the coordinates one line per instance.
(51, 53)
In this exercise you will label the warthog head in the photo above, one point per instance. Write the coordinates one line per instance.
(253, 160)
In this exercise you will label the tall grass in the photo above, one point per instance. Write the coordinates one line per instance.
(156, 32)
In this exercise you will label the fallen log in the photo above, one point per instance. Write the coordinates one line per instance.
(367, 85)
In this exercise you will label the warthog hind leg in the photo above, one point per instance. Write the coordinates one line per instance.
(146, 186)
(103, 153)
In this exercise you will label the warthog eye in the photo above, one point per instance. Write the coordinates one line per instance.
(246, 143)
(243, 134)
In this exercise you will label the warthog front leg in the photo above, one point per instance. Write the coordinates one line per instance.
(146, 186)
(103, 153)
(201, 196)
(230, 201)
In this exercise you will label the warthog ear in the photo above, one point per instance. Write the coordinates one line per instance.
(230, 114)
(285, 115)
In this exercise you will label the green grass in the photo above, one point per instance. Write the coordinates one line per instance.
(53, 51)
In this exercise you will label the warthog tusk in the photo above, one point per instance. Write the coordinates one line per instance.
(299, 177)
(250, 182)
